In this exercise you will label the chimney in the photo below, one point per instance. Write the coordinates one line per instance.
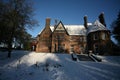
(85, 22)
(47, 22)
(101, 19)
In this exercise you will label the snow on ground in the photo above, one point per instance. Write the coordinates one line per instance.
(111, 59)
(25, 65)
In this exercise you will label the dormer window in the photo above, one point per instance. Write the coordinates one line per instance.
(81, 39)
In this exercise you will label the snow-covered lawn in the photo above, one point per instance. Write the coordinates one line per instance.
(26, 65)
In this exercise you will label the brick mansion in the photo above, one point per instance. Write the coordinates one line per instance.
(78, 39)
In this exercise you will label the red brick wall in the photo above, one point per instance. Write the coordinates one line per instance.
(44, 39)
(60, 40)
(50, 42)
(78, 42)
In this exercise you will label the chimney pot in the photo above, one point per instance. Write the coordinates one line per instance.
(101, 19)
(85, 22)
(48, 22)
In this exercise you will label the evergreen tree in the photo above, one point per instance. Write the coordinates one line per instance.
(116, 29)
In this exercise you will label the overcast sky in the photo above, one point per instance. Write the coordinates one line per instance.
(73, 11)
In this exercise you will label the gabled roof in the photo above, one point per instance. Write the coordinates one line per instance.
(80, 29)
(71, 29)
(59, 26)
(96, 26)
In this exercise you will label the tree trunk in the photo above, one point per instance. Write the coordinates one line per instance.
(9, 54)
(9, 49)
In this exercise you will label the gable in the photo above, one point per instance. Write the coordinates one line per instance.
(96, 26)
(60, 27)
(72, 29)
(46, 31)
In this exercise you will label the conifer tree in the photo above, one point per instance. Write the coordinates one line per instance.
(116, 29)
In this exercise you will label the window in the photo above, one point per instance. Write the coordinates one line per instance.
(71, 38)
(81, 39)
(103, 36)
(95, 36)
(55, 48)
(61, 37)
(61, 48)
(81, 48)
(84, 39)
(72, 49)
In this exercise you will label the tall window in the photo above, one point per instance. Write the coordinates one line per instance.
(84, 38)
(81, 48)
(72, 49)
(71, 38)
(81, 39)
(103, 36)
(55, 48)
(95, 36)
(61, 48)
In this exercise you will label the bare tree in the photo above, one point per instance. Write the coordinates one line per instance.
(16, 18)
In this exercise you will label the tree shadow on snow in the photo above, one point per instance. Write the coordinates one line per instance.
(15, 55)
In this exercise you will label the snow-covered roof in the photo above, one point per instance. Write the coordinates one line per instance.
(96, 26)
(80, 29)
(73, 29)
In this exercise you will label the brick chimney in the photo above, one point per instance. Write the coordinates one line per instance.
(47, 22)
(101, 19)
(85, 22)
